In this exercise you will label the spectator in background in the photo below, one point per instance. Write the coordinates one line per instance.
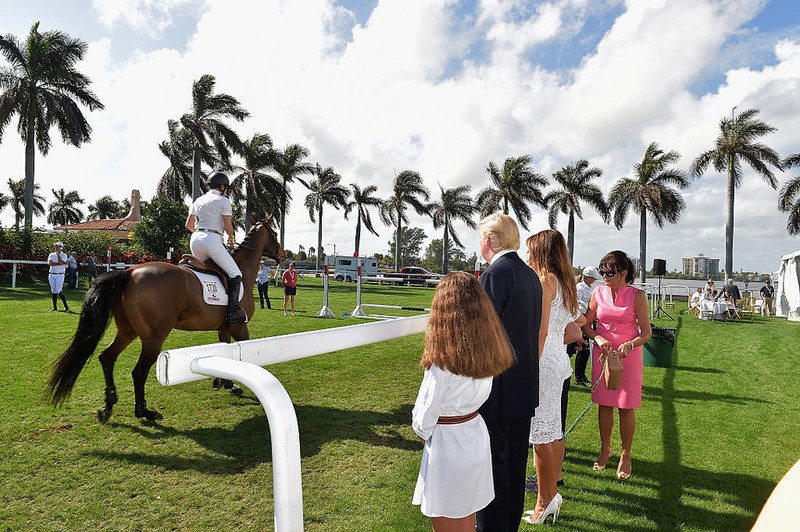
(732, 290)
(768, 295)
(91, 268)
(289, 287)
(263, 284)
(580, 348)
(708, 295)
(696, 298)
(710, 285)
(72, 270)
(57, 261)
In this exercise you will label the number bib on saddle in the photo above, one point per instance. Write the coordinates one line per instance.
(213, 291)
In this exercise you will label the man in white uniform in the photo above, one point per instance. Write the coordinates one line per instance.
(210, 217)
(581, 348)
(58, 266)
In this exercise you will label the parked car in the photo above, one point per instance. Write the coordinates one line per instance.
(413, 275)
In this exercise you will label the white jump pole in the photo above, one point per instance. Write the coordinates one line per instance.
(326, 312)
(358, 312)
(284, 434)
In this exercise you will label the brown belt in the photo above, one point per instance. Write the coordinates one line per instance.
(208, 230)
(455, 420)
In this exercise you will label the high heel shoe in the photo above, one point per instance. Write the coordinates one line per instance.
(597, 466)
(553, 508)
(622, 475)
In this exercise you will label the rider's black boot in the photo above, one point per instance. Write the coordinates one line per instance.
(235, 313)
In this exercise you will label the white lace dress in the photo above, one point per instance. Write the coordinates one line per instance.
(554, 368)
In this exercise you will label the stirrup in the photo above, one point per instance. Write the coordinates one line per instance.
(236, 316)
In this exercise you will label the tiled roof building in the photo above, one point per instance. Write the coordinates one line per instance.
(119, 228)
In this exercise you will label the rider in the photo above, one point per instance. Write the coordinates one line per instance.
(209, 216)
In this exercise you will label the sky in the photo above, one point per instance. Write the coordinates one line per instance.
(442, 87)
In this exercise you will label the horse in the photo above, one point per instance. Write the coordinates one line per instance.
(148, 301)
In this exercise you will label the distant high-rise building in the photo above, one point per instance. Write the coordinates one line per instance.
(700, 266)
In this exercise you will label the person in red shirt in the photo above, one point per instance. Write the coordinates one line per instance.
(289, 287)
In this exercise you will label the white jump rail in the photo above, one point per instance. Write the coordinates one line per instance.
(241, 361)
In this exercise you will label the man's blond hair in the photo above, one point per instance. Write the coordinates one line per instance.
(502, 231)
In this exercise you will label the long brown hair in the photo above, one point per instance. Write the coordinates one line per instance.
(548, 253)
(464, 334)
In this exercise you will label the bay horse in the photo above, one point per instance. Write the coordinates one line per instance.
(148, 301)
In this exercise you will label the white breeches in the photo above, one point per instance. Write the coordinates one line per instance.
(56, 282)
(209, 245)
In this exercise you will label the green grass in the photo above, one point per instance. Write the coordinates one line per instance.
(716, 431)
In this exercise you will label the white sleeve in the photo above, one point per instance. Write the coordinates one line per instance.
(429, 401)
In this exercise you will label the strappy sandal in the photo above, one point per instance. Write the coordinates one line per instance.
(597, 466)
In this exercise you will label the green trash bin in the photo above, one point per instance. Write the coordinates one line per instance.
(657, 351)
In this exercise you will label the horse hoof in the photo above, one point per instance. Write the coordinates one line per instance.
(103, 414)
(217, 383)
(227, 384)
(236, 390)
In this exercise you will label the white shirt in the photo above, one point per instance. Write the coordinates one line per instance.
(584, 295)
(54, 257)
(499, 254)
(72, 263)
(695, 300)
(209, 209)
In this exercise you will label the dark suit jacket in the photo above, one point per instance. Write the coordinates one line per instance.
(516, 292)
(733, 290)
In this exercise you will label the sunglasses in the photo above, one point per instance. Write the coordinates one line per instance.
(609, 273)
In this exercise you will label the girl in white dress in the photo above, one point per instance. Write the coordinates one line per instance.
(549, 257)
(465, 346)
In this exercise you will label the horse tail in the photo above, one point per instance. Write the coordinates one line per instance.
(98, 305)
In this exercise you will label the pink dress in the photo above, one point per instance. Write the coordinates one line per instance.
(616, 322)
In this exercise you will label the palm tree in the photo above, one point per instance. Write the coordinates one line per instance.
(362, 199)
(104, 207)
(649, 192)
(17, 189)
(260, 192)
(324, 189)
(737, 144)
(290, 165)
(4, 201)
(44, 88)
(407, 190)
(575, 188)
(455, 204)
(789, 197)
(205, 123)
(515, 187)
(176, 182)
(63, 210)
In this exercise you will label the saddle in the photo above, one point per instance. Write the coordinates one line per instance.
(207, 266)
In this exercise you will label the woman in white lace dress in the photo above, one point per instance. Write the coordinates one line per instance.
(548, 256)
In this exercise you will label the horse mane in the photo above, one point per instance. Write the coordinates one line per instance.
(247, 238)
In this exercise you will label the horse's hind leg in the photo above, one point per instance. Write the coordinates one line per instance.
(108, 358)
(239, 333)
(150, 351)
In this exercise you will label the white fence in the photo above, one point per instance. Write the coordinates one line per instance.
(241, 361)
(14, 263)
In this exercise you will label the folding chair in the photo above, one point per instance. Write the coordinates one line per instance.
(745, 313)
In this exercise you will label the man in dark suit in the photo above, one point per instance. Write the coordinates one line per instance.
(516, 293)
(732, 289)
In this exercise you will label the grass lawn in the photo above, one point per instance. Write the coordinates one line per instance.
(716, 431)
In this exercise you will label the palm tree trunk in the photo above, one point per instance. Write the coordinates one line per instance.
(283, 212)
(319, 238)
(397, 243)
(505, 205)
(30, 153)
(196, 187)
(643, 244)
(358, 234)
(729, 224)
(445, 246)
(571, 236)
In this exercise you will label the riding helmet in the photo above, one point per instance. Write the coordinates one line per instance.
(217, 179)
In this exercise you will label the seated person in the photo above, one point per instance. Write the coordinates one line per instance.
(708, 295)
(696, 297)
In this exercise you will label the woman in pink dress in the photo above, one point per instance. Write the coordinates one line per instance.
(623, 327)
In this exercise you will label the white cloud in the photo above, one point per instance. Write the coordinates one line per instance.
(376, 99)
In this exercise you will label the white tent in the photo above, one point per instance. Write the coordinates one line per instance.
(787, 296)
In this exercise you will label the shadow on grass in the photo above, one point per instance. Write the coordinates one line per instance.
(237, 449)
